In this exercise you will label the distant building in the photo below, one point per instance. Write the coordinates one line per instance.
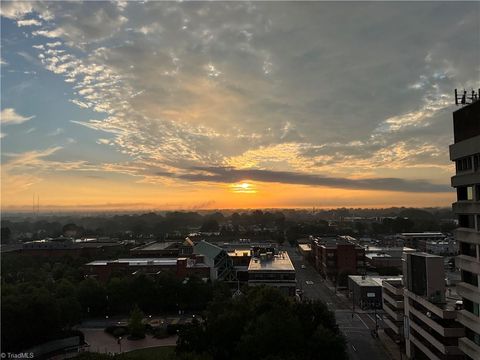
(446, 247)
(272, 269)
(465, 152)
(431, 331)
(58, 247)
(419, 240)
(181, 267)
(163, 249)
(379, 258)
(335, 257)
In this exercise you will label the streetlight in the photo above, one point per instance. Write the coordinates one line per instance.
(119, 342)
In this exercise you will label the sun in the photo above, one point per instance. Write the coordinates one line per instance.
(243, 187)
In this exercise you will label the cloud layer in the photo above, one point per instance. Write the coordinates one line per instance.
(272, 92)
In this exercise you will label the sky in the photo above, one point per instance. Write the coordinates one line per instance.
(211, 105)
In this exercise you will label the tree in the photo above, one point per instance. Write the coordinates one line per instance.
(135, 324)
(263, 324)
(210, 225)
(5, 236)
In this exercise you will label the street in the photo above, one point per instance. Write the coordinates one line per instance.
(357, 329)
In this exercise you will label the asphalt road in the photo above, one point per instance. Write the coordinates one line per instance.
(357, 329)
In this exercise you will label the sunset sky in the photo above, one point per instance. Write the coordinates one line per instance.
(162, 105)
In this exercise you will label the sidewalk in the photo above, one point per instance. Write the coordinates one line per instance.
(390, 346)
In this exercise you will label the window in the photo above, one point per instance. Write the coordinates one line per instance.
(469, 278)
(476, 161)
(468, 249)
(471, 307)
(467, 221)
(465, 193)
(464, 164)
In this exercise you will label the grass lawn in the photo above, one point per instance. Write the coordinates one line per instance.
(154, 353)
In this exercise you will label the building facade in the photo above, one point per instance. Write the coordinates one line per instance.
(465, 152)
(336, 258)
(431, 331)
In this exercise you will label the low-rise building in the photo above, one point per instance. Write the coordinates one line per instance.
(419, 240)
(59, 247)
(335, 258)
(366, 291)
(181, 267)
(272, 269)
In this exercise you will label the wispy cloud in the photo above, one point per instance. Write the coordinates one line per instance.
(9, 116)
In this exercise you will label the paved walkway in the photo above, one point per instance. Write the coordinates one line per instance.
(102, 342)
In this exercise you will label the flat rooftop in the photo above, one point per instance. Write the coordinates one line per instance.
(305, 247)
(423, 234)
(280, 262)
(240, 252)
(156, 246)
(372, 280)
(137, 262)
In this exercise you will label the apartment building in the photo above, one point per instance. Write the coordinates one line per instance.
(465, 152)
(335, 258)
(431, 330)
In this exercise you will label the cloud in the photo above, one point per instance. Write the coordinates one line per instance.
(220, 85)
(8, 116)
(230, 175)
(29, 22)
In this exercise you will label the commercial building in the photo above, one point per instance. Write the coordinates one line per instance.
(380, 258)
(366, 291)
(162, 249)
(465, 152)
(431, 331)
(419, 240)
(181, 267)
(220, 264)
(335, 258)
(272, 269)
(58, 247)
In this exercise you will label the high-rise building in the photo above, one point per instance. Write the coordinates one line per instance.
(465, 152)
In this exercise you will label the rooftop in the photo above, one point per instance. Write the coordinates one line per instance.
(372, 280)
(156, 246)
(137, 262)
(280, 262)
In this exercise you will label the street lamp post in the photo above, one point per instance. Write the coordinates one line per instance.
(119, 341)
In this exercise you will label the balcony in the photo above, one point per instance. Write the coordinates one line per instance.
(442, 313)
(396, 328)
(423, 348)
(469, 320)
(446, 332)
(468, 263)
(393, 289)
(469, 348)
(396, 315)
(444, 349)
(466, 207)
(468, 235)
(468, 291)
(465, 178)
(397, 304)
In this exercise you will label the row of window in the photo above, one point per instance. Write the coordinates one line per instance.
(468, 221)
(468, 163)
(467, 193)
(471, 307)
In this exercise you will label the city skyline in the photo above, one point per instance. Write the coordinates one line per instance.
(231, 105)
